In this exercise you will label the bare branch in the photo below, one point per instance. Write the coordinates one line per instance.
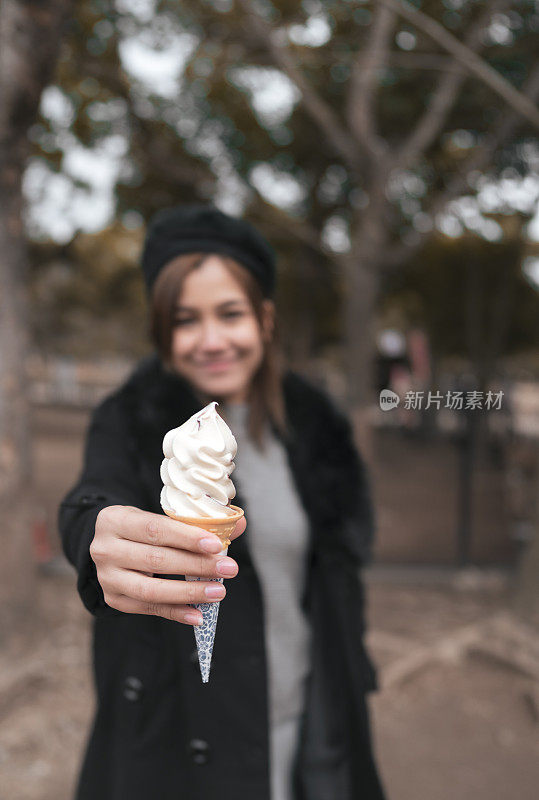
(298, 229)
(478, 160)
(320, 111)
(474, 65)
(429, 61)
(181, 172)
(432, 121)
(365, 71)
(405, 60)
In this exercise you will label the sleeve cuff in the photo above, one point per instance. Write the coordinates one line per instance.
(83, 513)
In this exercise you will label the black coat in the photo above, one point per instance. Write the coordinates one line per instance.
(160, 732)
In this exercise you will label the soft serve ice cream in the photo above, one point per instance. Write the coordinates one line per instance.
(199, 458)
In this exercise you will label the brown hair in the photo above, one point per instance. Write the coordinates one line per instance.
(266, 400)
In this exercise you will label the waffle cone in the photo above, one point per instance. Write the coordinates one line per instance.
(223, 527)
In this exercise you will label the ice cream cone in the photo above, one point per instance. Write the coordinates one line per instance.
(205, 633)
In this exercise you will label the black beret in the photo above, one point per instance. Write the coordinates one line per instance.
(198, 228)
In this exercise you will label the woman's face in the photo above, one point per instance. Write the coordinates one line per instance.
(217, 343)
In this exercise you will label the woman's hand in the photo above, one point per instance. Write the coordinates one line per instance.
(130, 545)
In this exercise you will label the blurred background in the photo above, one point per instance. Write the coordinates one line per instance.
(389, 151)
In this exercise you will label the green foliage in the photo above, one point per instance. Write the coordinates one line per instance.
(469, 295)
(184, 144)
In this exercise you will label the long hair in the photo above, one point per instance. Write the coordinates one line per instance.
(265, 397)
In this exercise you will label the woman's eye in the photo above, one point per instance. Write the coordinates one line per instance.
(225, 315)
(232, 314)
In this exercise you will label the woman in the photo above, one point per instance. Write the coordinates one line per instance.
(284, 716)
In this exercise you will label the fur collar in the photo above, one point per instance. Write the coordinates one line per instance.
(324, 464)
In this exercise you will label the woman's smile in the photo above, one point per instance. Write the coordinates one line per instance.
(217, 342)
(217, 365)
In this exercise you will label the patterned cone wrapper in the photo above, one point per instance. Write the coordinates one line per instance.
(205, 633)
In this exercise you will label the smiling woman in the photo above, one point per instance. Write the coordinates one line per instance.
(211, 323)
(284, 716)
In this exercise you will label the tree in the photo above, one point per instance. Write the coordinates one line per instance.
(367, 131)
(29, 43)
(392, 111)
(471, 297)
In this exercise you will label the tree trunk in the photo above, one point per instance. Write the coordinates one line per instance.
(361, 266)
(301, 340)
(29, 44)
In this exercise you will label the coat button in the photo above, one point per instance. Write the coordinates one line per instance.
(199, 751)
(133, 689)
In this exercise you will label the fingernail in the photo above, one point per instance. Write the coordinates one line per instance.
(193, 618)
(226, 567)
(211, 545)
(216, 592)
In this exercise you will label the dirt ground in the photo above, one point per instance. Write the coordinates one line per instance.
(457, 715)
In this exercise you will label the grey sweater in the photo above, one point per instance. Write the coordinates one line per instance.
(277, 537)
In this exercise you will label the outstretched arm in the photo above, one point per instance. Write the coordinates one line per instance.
(107, 478)
(121, 550)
